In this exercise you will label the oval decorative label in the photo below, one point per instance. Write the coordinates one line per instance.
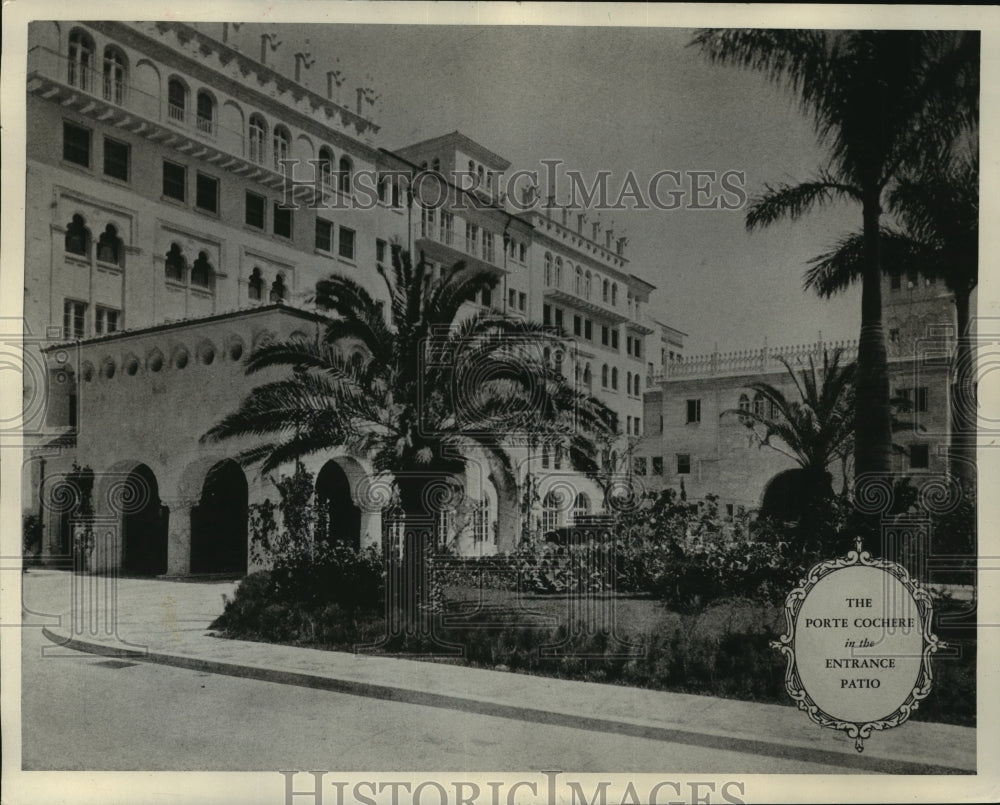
(858, 644)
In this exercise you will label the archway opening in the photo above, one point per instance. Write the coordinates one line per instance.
(219, 522)
(339, 519)
(789, 494)
(144, 525)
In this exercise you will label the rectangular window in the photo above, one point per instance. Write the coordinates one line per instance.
(76, 144)
(614, 339)
(282, 221)
(683, 464)
(638, 347)
(174, 181)
(657, 465)
(559, 317)
(588, 329)
(522, 301)
(381, 249)
(471, 238)
(920, 399)
(73, 410)
(628, 345)
(346, 243)
(577, 325)
(106, 320)
(255, 210)
(324, 235)
(605, 335)
(512, 299)
(661, 423)
(488, 246)
(74, 319)
(638, 425)
(206, 193)
(116, 159)
(546, 314)
(447, 227)
(693, 411)
(521, 252)
(639, 465)
(919, 456)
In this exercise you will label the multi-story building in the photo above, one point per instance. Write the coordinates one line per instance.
(163, 242)
(697, 441)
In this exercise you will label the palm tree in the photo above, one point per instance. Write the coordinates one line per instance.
(435, 384)
(939, 238)
(881, 101)
(814, 430)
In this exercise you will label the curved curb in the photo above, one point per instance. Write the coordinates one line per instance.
(854, 762)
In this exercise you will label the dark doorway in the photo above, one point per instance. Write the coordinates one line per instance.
(339, 519)
(219, 522)
(789, 493)
(144, 525)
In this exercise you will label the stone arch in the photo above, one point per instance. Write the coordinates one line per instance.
(146, 76)
(143, 521)
(303, 150)
(339, 516)
(262, 338)
(783, 495)
(219, 521)
(131, 364)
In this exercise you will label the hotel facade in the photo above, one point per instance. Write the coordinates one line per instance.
(161, 249)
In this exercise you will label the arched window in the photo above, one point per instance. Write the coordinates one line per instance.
(587, 377)
(344, 176)
(255, 286)
(436, 165)
(614, 378)
(559, 272)
(759, 404)
(175, 263)
(176, 100)
(483, 520)
(115, 75)
(278, 289)
(744, 403)
(581, 506)
(205, 112)
(109, 246)
(258, 131)
(280, 146)
(578, 287)
(604, 376)
(81, 56)
(628, 383)
(614, 294)
(605, 291)
(326, 169)
(201, 271)
(78, 237)
(588, 277)
(577, 374)
(548, 269)
(550, 510)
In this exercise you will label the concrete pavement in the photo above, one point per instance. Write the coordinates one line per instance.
(167, 622)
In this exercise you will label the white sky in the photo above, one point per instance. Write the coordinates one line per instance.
(617, 99)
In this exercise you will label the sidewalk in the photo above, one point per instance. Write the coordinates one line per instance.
(168, 622)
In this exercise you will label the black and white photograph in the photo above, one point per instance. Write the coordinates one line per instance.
(493, 403)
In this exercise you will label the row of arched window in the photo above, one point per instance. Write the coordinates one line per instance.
(554, 505)
(583, 280)
(255, 287)
(205, 353)
(110, 249)
(81, 71)
(201, 274)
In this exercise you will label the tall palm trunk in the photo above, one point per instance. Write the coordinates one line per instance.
(962, 456)
(872, 420)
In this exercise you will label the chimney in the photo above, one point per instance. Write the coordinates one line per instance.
(608, 237)
(549, 204)
(621, 246)
(565, 216)
(596, 229)
(303, 61)
(581, 219)
(267, 40)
